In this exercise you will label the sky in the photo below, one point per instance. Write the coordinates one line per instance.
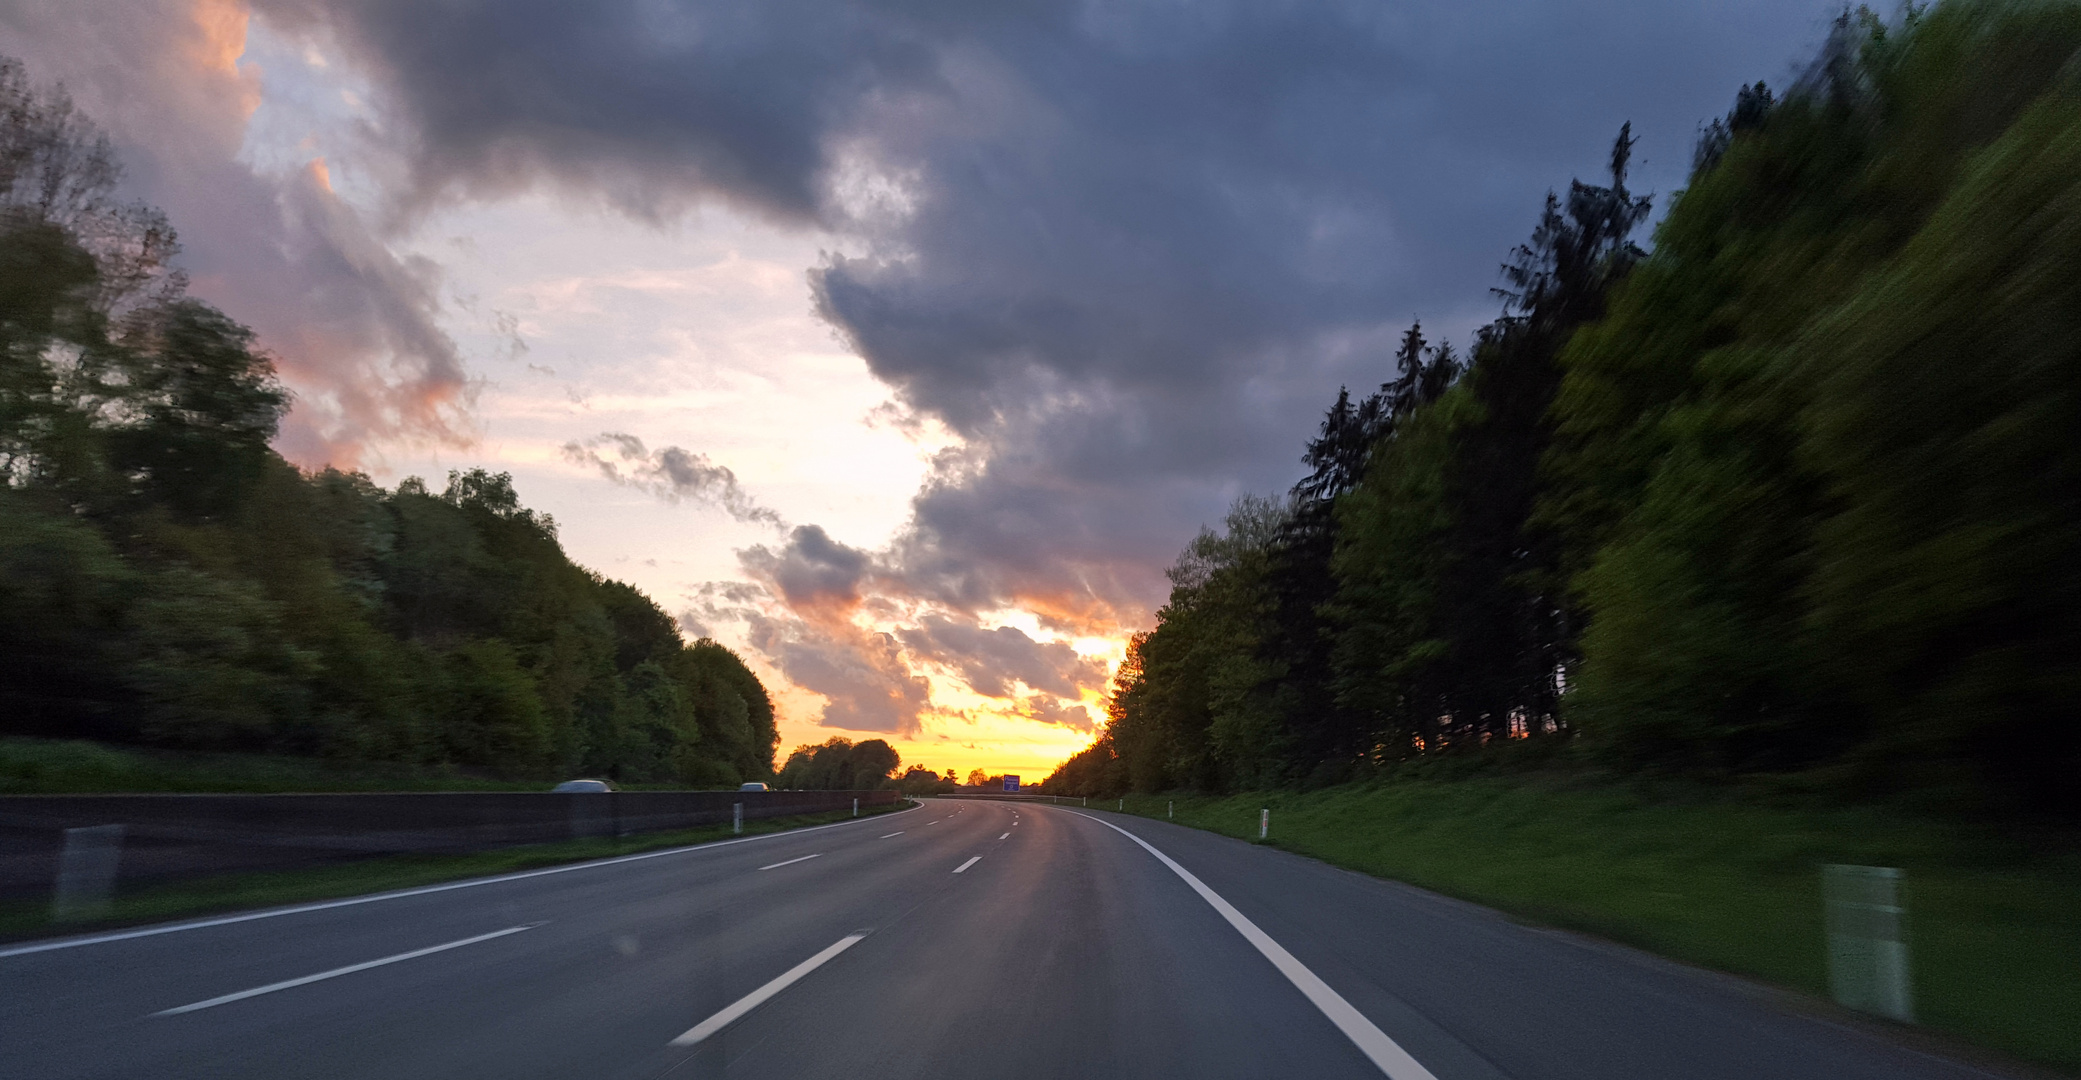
(898, 345)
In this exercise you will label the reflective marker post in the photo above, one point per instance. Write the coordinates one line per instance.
(856, 808)
(86, 872)
(736, 817)
(1170, 810)
(1264, 823)
(1867, 941)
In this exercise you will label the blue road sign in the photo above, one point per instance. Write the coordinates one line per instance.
(1011, 783)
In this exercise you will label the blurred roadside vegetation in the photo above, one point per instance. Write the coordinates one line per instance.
(167, 580)
(1795, 492)
(1724, 878)
(59, 766)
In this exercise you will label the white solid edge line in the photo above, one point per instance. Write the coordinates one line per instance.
(1370, 1040)
(470, 883)
(969, 863)
(337, 972)
(759, 997)
(791, 862)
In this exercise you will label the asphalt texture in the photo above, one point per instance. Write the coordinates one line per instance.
(1062, 950)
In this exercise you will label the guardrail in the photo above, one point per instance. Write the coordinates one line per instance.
(137, 838)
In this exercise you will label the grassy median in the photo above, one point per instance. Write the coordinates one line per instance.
(1726, 882)
(236, 892)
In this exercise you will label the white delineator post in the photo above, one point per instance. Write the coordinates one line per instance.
(1170, 810)
(856, 808)
(1264, 823)
(736, 817)
(1123, 804)
(86, 872)
(1867, 941)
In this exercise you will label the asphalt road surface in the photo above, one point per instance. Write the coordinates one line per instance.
(963, 937)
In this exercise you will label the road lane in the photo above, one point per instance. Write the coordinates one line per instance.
(618, 945)
(1060, 948)
(1471, 994)
(1064, 953)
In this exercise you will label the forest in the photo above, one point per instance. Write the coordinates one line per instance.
(1790, 485)
(168, 580)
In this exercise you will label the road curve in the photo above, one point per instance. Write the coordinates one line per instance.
(1014, 940)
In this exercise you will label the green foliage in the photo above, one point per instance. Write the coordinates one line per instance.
(919, 780)
(1798, 490)
(1394, 659)
(1816, 465)
(1947, 394)
(166, 579)
(839, 764)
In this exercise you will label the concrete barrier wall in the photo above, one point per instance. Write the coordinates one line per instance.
(167, 837)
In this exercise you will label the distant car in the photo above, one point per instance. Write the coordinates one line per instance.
(753, 786)
(583, 785)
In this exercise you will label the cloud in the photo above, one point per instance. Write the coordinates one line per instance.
(811, 572)
(802, 617)
(812, 593)
(354, 327)
(861, 673)
(991, 661)
(650, 106)
(671, 474)
(1048, 711)
(1126, 252)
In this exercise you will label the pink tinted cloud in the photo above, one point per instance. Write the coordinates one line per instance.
(352, 325)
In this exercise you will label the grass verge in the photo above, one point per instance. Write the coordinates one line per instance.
(238, 892)
(1725, 883)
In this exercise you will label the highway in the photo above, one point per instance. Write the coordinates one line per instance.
(961, 937)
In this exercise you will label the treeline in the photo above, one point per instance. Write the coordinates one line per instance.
(167, 579)
(1801, 489)
(839, 764)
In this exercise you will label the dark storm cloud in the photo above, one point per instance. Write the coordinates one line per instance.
(1126, 251)
(649, 104)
